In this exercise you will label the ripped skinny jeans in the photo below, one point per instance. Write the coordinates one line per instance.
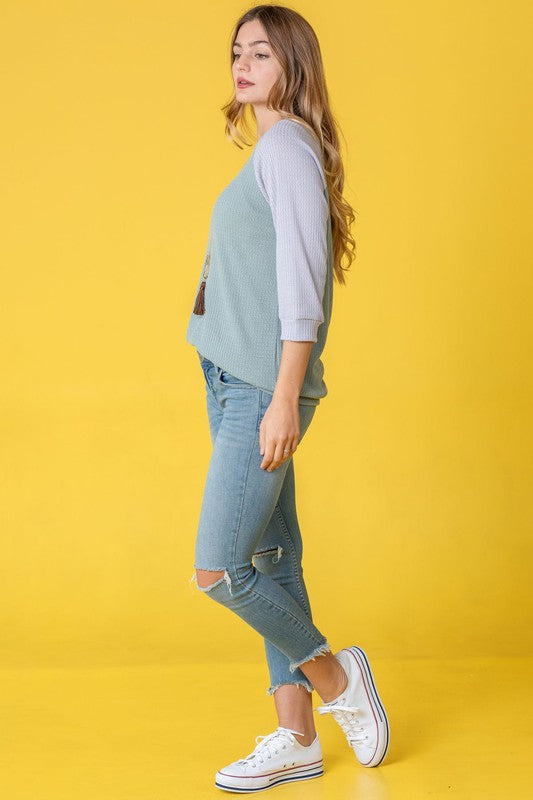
(248, 528)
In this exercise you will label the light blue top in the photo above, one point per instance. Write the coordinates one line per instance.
(271, 263)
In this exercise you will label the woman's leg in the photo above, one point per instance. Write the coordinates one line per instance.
(239, 500)
(292, 700)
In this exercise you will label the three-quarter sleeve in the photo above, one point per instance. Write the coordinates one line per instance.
(289, 172)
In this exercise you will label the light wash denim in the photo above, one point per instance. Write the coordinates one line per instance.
(249, 529)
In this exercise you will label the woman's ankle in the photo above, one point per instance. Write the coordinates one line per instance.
(307, 739)
(339, 689)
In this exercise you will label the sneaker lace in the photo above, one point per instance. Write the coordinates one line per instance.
(345, 716)
(269, 745)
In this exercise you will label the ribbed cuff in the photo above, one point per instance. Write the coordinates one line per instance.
(300, 330)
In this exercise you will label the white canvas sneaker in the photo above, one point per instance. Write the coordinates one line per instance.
(359, 711)
(278, 758)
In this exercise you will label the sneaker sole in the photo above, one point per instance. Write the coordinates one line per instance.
(301, 773)
(360, 656)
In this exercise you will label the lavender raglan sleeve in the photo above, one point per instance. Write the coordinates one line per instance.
(292, 181)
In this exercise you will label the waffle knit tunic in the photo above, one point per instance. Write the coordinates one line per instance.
(271, 263)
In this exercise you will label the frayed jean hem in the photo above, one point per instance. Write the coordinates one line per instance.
(320, 650)
(303, 683)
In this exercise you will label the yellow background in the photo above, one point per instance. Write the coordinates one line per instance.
(414, 481)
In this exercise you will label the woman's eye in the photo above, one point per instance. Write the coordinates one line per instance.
(262, 55)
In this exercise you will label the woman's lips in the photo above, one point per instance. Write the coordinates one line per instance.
(243, 85)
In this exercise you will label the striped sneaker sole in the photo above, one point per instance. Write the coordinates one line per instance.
(300, 773)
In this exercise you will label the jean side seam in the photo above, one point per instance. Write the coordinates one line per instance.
(288, 537)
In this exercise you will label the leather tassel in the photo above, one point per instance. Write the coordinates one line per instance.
(199, 307)
(199, 304)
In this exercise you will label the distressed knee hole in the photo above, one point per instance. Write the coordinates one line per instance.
(274, 553)
(205, 577)
(210, 578)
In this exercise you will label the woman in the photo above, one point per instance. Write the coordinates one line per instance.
(259, 324)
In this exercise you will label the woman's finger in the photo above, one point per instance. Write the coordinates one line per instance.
(279, 455)
(269, 454)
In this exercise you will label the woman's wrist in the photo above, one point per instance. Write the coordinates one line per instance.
(288, 396)
(292, 370)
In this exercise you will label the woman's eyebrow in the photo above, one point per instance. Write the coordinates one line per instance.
(251, 44)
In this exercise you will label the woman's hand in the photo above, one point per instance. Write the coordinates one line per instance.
(280, 427)
(279, 430)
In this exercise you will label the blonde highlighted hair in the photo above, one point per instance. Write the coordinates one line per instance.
(300, 93)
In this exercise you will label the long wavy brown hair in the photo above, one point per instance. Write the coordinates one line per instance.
(300, 93)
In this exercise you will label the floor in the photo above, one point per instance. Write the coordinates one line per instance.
(459, 729)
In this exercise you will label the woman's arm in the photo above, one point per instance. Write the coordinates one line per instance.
(290, 174)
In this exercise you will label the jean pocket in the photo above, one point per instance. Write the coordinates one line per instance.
(227, 379)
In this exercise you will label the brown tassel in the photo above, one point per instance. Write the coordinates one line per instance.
(199, 307)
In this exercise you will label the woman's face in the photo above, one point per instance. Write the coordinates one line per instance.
(254, 61)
